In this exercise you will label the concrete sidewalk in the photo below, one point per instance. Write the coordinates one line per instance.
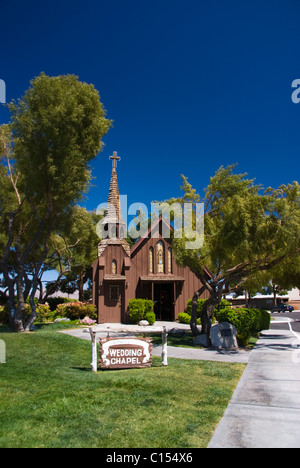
(202, 354)
(264, 411)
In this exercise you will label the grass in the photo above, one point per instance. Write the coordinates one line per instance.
(177, 340)
(186, 340)
(50, 398)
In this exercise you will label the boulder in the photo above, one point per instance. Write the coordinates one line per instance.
(143, 323)
(202, 340)
(224, 336)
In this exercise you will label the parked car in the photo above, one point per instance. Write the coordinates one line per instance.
(282, 308)
(289, 308)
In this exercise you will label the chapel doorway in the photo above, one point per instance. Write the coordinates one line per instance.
(164, 301)
(114, 302)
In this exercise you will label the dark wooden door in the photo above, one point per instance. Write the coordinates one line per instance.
(164, 301)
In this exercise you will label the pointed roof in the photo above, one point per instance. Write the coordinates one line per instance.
(113, 215)
(114, 212)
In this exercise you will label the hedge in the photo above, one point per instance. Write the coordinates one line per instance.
(247, 322)
(200, 304)
(4, 315)
(73, 310)
(186, 318)
(141, 309)
(54, 302)
(76, 310)
(42, 310)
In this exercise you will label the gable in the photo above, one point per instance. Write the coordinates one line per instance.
(152, 237)
(161, 230)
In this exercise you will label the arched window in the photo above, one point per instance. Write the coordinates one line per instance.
(169, 260)
(151, 262)
(105, 233)
(114, 267)
(160, 257)
(113, 232)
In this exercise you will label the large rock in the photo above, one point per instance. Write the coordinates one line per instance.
(202, 340)
(143, 323)
(224, 336)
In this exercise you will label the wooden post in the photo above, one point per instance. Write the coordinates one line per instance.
(94, 350)
(164, 354)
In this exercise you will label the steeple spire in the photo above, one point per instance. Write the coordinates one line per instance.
(113, 223)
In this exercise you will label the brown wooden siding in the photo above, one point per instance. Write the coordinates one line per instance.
(131, 286)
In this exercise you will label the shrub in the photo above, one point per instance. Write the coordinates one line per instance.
(186, 318)
(223, 304)
(27, 312)
(76, 310)
(150, 317)
(149, 306)
(247, 322)
(262, 320)
(86, 321)
(200, 303)
(139, 309)
(56, 301)
(43, 313)
(243, 338)
(4, 315)
(136, 310)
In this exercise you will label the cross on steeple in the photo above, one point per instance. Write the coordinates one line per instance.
(114, 158)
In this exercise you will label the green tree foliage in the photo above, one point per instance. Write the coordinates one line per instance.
(57, 128)
(74, 248)
(248, 230)
(55, 131)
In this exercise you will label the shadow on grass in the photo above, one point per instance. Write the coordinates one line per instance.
(83, 369)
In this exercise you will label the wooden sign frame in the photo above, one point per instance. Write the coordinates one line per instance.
(125, 353)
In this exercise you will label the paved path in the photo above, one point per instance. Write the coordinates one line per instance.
(264, 411)
(240, 355)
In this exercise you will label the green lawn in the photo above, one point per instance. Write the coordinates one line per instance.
(186, 340)
(50, 398)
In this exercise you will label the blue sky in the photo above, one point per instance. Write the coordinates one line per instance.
(191, 85)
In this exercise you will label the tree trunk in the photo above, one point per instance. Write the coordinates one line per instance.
(41, 291)
(81, 286)
(19, 316)
(274, 296)
(193, 323)
(247, 297)
(207, 313)
(34, 287)
(11, 302)
(33, 315)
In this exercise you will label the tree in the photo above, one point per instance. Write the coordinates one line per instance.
(56, 130)
(284, 277)
(247, 230)
(10, 207)
(74, 248)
